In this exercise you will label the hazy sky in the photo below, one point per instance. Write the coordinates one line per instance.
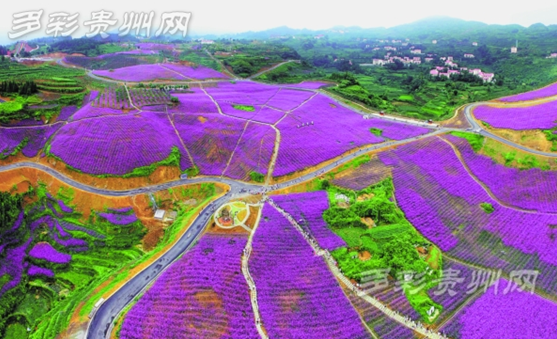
(243, 15)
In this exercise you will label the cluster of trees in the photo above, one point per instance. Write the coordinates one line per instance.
(349, 87)
(379, 208)
(393, 251)
(26, 88)
(89, 47)
(10, 206)
(248, 57)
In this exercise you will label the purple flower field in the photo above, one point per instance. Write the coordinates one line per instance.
(542, 116)
(253, 153)
(288, 99)
(334, 131)
(154, 46)
(242, 93)
(119, 219)
(13, 265)
(140, 73)
(36, 270)
(531, 189)
(66, 113)
(210, 142)
(384, 327)
(135, 52)
(198, 72)
(397, 131)
(193, 103)
(117, 144)
(90, 111)
(64, 208)
(102, 140)
(91, 96)
(298, 296)
(499, 315)
(10, 138)
(309, 207)
(202, 295)
(123, 210)
(547, 91)
(45, 251)
(439, 198)
(148, 72)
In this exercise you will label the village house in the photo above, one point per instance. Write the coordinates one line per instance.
(468, 55)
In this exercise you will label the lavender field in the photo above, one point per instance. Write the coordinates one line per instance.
(541, 116)
(544, 92)
(532, 189)
(203, 295)
(505, 315)
(297, 295)
(347, 182)
(307, 209)
(228, 128)
(443, 201)
(117, 145)
(150, 72)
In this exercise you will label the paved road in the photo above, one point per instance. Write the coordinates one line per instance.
(480, 130)
(109, 310)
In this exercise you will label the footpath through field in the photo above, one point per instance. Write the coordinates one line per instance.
(405, 321)
(251, 284)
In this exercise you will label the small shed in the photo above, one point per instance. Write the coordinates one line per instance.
(159, 214)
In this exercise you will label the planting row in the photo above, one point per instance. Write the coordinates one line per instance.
(446, 205)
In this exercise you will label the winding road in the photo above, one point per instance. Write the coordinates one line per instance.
(480, 130)
(100, 324)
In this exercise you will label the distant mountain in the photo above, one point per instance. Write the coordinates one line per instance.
(432, 28)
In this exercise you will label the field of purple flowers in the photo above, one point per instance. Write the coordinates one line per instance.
(532, 189)
(307, 209)
(320, 130)
(544, 92)
(29, 140)
(542, 116)
(203, 295)
(150, 72)
(298, 296)
(117, 144)
(498, 315)
(443, 202)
